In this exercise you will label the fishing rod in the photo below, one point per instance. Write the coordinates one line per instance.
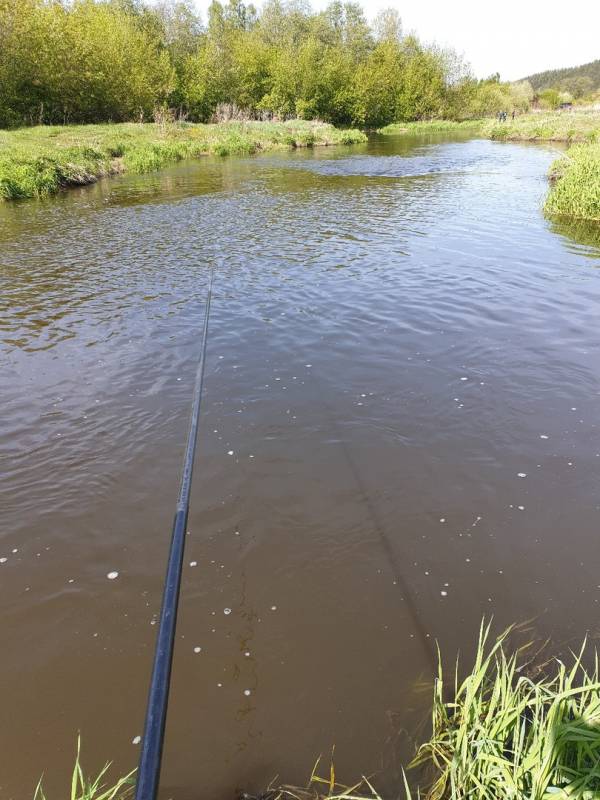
(148, 775)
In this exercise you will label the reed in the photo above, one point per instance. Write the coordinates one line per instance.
(83, 788)
(516, 727)
(511, 733)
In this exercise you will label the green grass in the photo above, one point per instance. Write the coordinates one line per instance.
(511, 733)
(516, 727)
(554, 126)
(83, 788)
(431, 126)
(39, 161)
(575, 189)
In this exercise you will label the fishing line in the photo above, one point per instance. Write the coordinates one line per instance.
(148, 775)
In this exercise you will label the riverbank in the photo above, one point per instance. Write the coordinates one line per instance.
(575, 184)
(551, 127)
(39, 161)
(432, 126)
(575, 177)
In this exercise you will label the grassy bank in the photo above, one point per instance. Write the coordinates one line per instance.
(575, 184)
(518, 726)
(575, 178)
(35, 162)
(515, 727)
(550, 127)
(431, 126)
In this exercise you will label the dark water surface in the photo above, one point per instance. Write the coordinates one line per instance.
(400, 435)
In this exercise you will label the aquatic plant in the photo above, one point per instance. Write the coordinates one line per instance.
(83, 788)
(508, 731)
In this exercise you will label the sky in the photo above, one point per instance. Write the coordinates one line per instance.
(512, 37)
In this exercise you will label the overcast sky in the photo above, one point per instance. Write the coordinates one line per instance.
(513, 37)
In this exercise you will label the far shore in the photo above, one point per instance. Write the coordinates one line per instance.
(575, 176)
(39, 161)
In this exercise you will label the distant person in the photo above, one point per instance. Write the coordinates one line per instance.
(513, 115)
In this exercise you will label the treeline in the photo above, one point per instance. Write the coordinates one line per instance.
(578, 81)
(119, 60)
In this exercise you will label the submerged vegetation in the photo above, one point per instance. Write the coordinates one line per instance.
(35, 162)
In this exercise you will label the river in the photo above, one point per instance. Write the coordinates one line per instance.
(399, 436)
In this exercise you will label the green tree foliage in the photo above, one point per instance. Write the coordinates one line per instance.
(550, 98)
(556, 78)
(80, 62)
(103, 60)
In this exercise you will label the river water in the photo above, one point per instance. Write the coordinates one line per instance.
(400, 436)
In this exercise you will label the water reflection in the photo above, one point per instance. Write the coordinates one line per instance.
(583, 237)
(400, 435)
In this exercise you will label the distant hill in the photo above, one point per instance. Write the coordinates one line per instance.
(558, 77)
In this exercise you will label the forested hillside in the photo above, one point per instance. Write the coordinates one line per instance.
(578, 81)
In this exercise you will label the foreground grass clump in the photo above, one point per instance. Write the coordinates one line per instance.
(432, 126)
(551, 127)
(512, 729)
(35, 162)
(575, 190)
(83, 788)
(507, 735)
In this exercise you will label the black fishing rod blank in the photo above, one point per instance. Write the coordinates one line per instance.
(148, 775)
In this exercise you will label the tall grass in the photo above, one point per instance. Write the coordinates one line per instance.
(36, 162)
(83, 788)
(575, 190)
(431, 126)
(550, 127)
(506, 735)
